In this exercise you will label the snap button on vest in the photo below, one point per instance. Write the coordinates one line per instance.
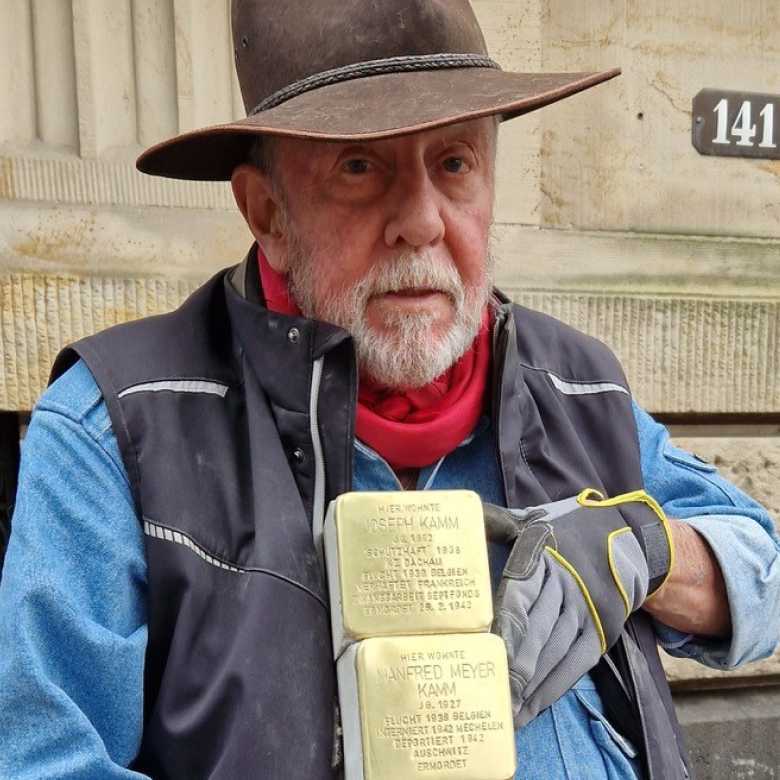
(293, 335)
(298, 455)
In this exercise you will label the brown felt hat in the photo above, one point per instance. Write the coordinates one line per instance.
(347, 70)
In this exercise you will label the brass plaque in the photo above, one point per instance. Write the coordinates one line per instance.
(408, 563)
(435, 707)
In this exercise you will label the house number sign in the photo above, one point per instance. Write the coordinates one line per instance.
(736, 124)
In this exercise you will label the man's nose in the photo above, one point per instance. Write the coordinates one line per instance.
(416, 219)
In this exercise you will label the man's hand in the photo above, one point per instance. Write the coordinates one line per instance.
(578, 568)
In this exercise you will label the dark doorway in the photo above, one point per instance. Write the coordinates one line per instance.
(9, 470)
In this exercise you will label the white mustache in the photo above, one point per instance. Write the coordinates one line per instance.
(417, 270)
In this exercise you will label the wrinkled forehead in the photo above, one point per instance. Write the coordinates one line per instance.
(482, 133)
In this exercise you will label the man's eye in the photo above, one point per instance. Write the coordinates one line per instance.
(356, 167)
(455, 165)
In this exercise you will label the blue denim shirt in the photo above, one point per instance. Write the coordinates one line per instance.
(73, 595)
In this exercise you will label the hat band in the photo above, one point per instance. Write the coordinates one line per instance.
(359, 70)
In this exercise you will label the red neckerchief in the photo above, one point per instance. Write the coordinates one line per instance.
(409, 428)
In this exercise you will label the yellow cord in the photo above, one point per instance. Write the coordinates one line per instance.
(585, 592)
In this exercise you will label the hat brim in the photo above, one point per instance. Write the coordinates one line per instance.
(366, 109)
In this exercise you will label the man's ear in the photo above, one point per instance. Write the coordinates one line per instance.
(259, 203)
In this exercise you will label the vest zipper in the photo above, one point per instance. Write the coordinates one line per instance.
(318, 509)
(500, 342)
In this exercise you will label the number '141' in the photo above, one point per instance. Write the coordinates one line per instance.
(743, 128)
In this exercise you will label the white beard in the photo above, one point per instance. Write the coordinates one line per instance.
(411, 351)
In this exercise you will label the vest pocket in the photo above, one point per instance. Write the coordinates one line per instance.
(620, 756)
(703, 478)
(683, 458)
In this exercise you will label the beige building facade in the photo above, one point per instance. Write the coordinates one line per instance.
(607, 217)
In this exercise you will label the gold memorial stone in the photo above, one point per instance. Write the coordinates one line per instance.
(407, 563)
(427, 708)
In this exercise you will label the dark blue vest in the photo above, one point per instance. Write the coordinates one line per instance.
(236, 426)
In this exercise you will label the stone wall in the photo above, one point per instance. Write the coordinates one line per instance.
(606, 216)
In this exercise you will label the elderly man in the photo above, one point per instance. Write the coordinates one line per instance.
(163, 610)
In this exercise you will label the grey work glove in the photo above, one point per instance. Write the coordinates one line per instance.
(577, 570)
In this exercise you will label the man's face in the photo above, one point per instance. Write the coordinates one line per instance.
(389, 240)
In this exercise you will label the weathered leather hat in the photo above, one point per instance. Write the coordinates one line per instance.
(357, 70)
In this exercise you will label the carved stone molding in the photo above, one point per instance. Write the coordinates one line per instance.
(39, 314)
(98, 78)
(680, 354)
(103, 183)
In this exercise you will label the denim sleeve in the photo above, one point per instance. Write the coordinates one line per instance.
(743, 539)
(72, 599)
